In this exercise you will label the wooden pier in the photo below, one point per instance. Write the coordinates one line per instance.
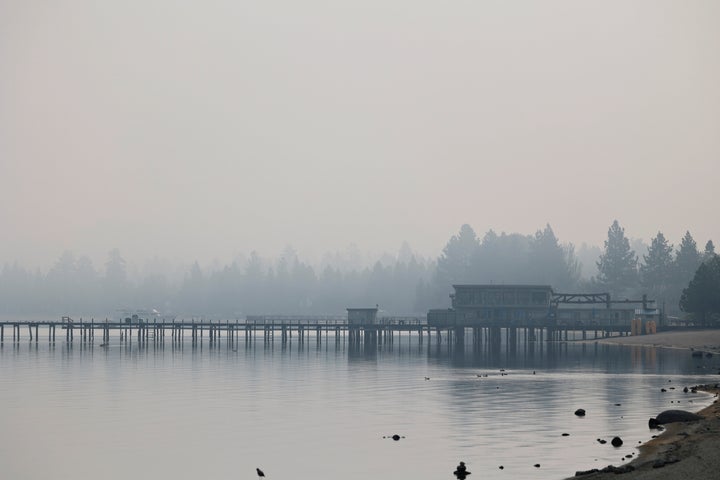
(300, 329)
(491, 314)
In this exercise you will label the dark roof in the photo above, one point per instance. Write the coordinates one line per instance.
(501, 285)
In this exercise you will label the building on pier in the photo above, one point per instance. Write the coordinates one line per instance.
(537, 306)
(506, 304)
(495, 305)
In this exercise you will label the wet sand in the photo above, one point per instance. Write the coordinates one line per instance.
(683, 450)
(702, 340)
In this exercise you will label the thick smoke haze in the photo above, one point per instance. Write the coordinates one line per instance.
(205, 130)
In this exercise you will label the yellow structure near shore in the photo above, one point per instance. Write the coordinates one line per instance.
(650, 327)
(636, 327)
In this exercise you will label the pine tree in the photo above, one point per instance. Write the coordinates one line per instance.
(657, 269)
(617, 266)
(687, 260)
(702, 296)
(454, 265)
(551, 263)
(504, 258)
(709, 251)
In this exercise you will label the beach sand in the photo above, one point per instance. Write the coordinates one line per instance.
(703, 340)
(684, 450)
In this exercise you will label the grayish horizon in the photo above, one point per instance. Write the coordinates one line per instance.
(201, 131)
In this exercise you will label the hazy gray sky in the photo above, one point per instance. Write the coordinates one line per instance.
(195, 129)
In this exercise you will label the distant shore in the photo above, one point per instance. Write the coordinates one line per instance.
(683, 450)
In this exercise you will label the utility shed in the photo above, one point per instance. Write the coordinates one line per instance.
(358, 317)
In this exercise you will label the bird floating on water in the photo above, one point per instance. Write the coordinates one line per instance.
(260, 472)
(461, 471)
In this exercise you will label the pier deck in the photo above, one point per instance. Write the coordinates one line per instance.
(336, 328)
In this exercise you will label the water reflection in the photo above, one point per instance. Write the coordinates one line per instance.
(308, 403)
(503, 351)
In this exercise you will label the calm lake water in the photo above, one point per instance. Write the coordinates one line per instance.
(320, 412)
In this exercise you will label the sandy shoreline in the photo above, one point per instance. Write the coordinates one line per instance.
(684, 450)
(702, 340)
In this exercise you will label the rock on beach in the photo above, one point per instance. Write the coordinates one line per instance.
(672, 416)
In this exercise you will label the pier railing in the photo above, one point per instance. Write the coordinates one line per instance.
(380, 329)
(293, 320)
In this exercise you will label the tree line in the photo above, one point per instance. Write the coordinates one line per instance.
(405, 283)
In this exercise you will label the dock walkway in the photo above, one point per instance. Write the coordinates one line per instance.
(231, 331)
(325, 328)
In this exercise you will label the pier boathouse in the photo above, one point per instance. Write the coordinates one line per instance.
(537, 309)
